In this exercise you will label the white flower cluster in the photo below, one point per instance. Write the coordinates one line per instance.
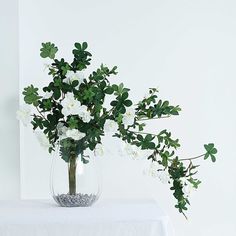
(187, 187)
(24, 115)
(155, 170)
(99, 151)
(73, 76)
(84, 114)
(65, 132)
(71, 106)
(74, 134)
(133, 151)
(43, 140)
(128, 117)
(110, 126)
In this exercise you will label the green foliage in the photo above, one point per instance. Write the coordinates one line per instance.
(70, 148)
(89, 94)
(59, 68)
(121, 101)
(194, 182)
(73, 122)
(150, 107)
(178, 171)
(47, 105)
(165, 137)
(37, 122)
(66, 149)
(146, 142)
(31, 95)
(210, 151)
(48, 50)
(81, 56)
(92, 93)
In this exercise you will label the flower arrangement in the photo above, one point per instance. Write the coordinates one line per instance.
(71, 110)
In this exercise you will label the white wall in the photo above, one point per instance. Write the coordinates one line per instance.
(9, 129)
(187, 49)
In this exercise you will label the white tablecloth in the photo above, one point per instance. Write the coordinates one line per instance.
(106, 218)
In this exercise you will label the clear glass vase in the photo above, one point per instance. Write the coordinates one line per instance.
(75, 178)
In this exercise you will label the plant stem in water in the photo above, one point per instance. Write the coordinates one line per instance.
(72, 175)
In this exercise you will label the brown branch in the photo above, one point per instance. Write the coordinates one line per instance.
(138, 132)
(40, 113)
(192, 158)
(154, 118)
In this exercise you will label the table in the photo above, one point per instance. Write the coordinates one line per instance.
(105, 218)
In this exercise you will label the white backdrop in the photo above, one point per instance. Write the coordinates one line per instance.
(9, 128)
(187, 49)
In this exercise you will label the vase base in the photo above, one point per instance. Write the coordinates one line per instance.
(77, 200)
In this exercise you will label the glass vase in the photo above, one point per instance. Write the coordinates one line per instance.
(75, 178)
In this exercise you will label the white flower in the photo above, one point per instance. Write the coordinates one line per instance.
(61, 130)
(71, 106)
(133, 151)
(72, 76)
(84, 114)
(74, 134)
(187, 187)
(48, 95)
(60, 125)
(43, 140)
(153, 169)
(110, 126)
(156, 171)
(163, 176)
(99, 151)
(23, 114)
(187, 190)
(128, 117)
